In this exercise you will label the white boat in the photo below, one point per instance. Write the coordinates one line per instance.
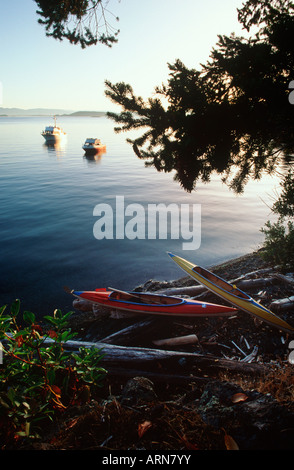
(92, 146)
(53, 134)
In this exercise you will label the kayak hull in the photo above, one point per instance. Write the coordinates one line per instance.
(231, 293)
(151, 304)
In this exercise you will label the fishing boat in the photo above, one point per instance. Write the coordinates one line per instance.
(92, 146)
(151, 304)
(231, 293)
(53, 134)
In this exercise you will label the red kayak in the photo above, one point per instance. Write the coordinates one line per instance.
(149, 304)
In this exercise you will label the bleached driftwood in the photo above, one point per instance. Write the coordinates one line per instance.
(86, 306)
(128, 357)
(118, 314)
(249, 284)
(283, 304)
(286, 279)
(251, 356)
(191, 291)
(257, 272)
(244, 284)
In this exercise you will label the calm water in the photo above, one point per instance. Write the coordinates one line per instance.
(46, 214)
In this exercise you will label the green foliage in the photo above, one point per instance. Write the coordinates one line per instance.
(80, 21)
(284, 206)
(39, 378)
(279, 236)
(279, 243)
(231, 117)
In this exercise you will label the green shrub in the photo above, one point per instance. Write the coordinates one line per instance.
(278, 246)
(39, 378)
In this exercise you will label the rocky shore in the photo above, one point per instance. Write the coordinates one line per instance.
(237, 395)
(216, 335)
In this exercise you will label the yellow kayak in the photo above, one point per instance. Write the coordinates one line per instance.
(231, 293)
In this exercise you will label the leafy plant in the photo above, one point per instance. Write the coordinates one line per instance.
(39, 378)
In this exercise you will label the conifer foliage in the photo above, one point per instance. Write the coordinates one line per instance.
(232, 116)
(83, 22)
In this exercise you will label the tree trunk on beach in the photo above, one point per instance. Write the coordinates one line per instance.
(173, 362)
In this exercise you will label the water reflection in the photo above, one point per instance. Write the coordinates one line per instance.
(58, 148)
(94, 157)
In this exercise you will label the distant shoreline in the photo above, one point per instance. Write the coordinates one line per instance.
(40, 112)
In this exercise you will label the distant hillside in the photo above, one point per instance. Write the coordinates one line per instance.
(88, 113)
(32, 112)
(47, 112)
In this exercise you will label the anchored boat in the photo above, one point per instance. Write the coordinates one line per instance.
(92, 146)
(152, 304)
(53, 134)
(231, 293)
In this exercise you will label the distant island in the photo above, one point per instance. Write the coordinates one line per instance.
(87, 113)
(48, 112)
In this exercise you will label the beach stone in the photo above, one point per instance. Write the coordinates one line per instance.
(215, 405)
(138, 390)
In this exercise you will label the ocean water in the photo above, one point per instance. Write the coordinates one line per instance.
(47, 225)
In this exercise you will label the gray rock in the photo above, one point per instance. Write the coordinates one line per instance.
(137, 390)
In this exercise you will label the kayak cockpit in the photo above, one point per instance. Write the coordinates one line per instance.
(221, 283)
(142, 298)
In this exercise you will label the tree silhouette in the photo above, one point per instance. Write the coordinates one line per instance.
(232, 116)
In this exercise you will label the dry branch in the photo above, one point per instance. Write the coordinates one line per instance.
(129, 332)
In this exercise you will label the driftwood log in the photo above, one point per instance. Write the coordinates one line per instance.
(285, 279)
(179, 340)
(283, 304)
(244, 284)
(173, 362)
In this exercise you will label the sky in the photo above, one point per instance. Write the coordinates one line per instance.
(41, 72)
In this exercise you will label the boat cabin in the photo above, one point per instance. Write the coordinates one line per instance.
(93, 141)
